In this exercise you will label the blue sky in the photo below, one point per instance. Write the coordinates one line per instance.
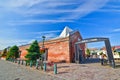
(22, 21)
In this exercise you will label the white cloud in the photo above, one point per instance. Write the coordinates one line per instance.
(19, 3)
(46, 32)
(26, 22)
(109, 10)
(116, 30)
(34, 12)
(86, 8)
(111, 7)
(53, 7)
(82, 9)
(5, 43)
(22, 12)
(31, 41)
(10, 42)
(47, 36)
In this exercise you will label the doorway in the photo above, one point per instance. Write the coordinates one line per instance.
(78, 52)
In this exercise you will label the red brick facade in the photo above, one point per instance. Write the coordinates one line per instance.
(58, 49)
(61, 49)
(73, 39)
(23, 51)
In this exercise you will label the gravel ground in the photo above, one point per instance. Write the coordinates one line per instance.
(66, 71)
(13, 71)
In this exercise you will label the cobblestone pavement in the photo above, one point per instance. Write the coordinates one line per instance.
(93, 71)
(13, 71)
(66, 71)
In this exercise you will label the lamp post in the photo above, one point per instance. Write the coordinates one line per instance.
(43, 41)
(19, 53)
(19, 57)
(8, 48)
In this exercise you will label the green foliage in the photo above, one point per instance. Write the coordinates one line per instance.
(114, 51)
(33, 51)
(42, 51)
(13, 52)
(4, 52)
(34, 47)
(94, 53)
(119, 53)
(32, 56)
(101, 53)
(88, 52)
(0, 54)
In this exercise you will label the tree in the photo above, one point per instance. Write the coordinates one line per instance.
(13, 52)
(101, 53)
(88, 52)
(33, 51)
(4, 53)
(119, 53)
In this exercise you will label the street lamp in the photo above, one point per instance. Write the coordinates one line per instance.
(19, 53)
(8, 48)
(43, 41)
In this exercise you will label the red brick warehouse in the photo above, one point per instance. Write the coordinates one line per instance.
(60, 48)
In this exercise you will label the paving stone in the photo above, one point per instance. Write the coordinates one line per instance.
(13, 71)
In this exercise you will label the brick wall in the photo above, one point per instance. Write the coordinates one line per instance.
(59, 50)
(23, 50)
(73, 39)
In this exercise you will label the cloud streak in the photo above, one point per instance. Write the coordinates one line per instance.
(25, 12)
(38, 21)
(19, 3)
(48, 8)
(86, 8)
(5, 43)
(109, 10)
(2, 41)
(46, 32)
(48, 36)
(26, 22)
(116, 30)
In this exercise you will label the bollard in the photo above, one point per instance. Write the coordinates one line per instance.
(112, 64)
(15, 60)
(55, 68)
(36, 64)
(45, 66)
(18, 61)
(25, 63)
(30, 63)
(12, 60)
(22, 62)
(9, 59)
